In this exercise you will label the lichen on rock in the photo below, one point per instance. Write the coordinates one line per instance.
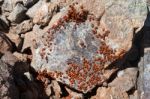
(73, 52)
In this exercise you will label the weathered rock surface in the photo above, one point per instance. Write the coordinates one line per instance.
(5, 43)
(44, 13)
(73, 51)
(126, 80)
(74, 43)
(29, 38)
(74, 95)
(121, 17)
(14, 38)
(29, 3)
(143, 84)
(24, 27)
(31, 11)
(18, 14)
(8, 90)
(26, 3)
(9, 58)
(21, 57)
(134, 96)
(7, 6)
(110, 93)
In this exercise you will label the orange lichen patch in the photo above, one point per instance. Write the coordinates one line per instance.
(75, 16)
(89, 73)
(45, 74)
(81, 57)
(86, 75)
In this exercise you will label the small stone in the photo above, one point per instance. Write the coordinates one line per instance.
(144, 73)
(74, 95)
(29, 76)
(14, 38)
(20, 68)
(26, 3)
(24, 27)
(44, 13)
(32, 11)
(48, 90)
(7, 6)
(20, 56)
(56, 89)
(18, 14)
(110, 93)
(28, 40)
(29, 3)
(6, 44)
(127, 81)
(9, 58)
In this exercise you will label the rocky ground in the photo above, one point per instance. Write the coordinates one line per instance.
(36, 49)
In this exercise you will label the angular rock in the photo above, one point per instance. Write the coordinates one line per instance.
(56, 89)
(18, 14)
(20, 56)
(48, 90)
(74, 95)
(29, 39)
(7, 6)
(110, 93)
(126, 80)
(14, 38)
(121, 17)
(45, 12)
(5, 43)
(8, 90)
(143, 83)
(31, 11)
(29, 3)
(76, 50)
(134, 96)
(24, 27)
(9, 58)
